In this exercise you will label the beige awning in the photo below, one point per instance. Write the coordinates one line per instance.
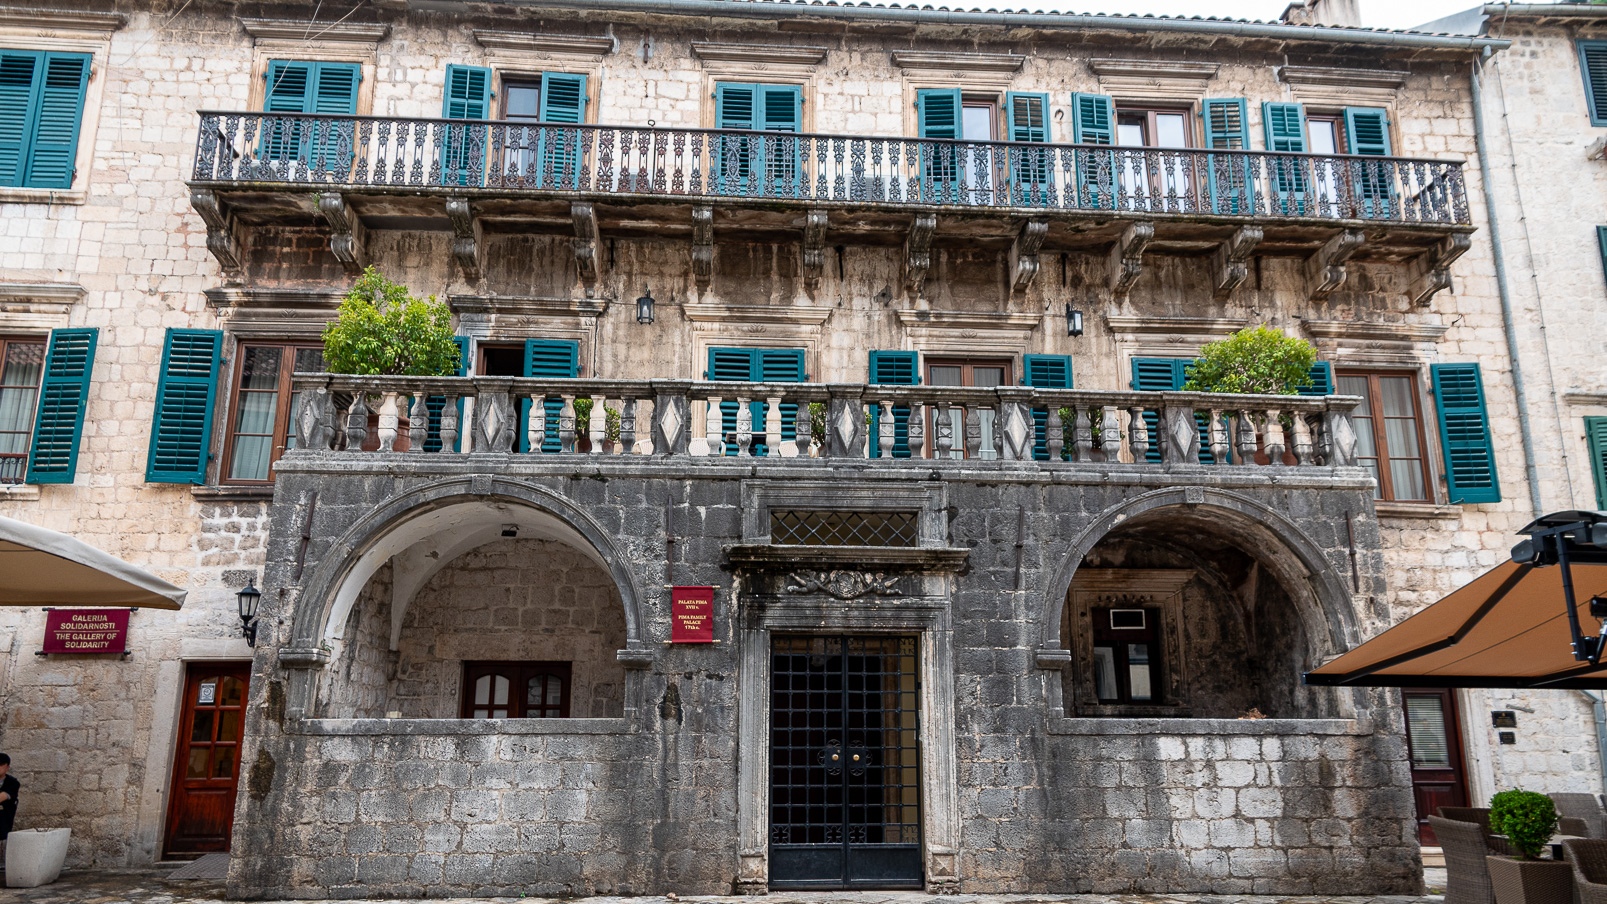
(1507, 628)
(40, 567)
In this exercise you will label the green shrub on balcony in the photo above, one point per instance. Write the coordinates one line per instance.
(382, 329)
(1258, 361)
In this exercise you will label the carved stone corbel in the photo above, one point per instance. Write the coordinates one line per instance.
(587, 240)
(1325, 270)
(1431, 271)
(703, 245)
(220, 235)
(466, 239)
(1127, 258)
(1231, 260)
(1024, 253)
(918, 251)
(814, 247)
(348, 238)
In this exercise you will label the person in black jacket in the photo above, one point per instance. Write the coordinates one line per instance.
(9, 789)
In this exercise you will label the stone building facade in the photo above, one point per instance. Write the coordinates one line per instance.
(1054, 494)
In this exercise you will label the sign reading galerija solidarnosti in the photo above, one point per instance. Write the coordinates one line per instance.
(86, 631)
(692, 615)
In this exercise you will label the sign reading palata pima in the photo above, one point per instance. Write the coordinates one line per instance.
(86, 631)
(691, 615)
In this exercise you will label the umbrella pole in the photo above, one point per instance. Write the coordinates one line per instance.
(1586, 649)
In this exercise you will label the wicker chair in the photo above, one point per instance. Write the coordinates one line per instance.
(1586, 807)
(1479, 816)
(1589, 859)
(1467, 877)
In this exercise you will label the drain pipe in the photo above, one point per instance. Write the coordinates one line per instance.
(1599, 709)
(1508, 325)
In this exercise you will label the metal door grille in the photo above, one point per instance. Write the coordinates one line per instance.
(845, 807)
(832, 528)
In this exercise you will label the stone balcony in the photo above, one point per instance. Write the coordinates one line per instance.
(471, 178)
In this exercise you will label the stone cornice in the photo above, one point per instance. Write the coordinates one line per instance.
(592, 45)
(1372, 331)
(731, 313)
(1192, 326)
(305, 299)
(1582, 397)
(1153, 69)
(307, 30)
(781, 54)
(968, 320)
(1332, 76)
(77, 20)
(59, 293)
(527, 305)
(958, 62)
(791, 558)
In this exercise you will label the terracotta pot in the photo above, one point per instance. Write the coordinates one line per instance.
(1531, 881)
(403, 441)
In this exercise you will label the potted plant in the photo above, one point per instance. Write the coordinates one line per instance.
(382, 329)
(1527, 819)
(1255, 361)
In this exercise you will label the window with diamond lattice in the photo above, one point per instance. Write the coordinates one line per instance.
(829, 528)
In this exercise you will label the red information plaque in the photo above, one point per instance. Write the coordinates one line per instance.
(86, 631)
(691, 615)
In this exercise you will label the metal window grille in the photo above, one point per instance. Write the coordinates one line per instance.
(831, 528)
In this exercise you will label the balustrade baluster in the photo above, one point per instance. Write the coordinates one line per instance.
(357, 422)
(1245, 434)
(716, 427)
(885, 428)
(944, 425)
(1218, 434)
(916, 431)
(973, 432)
(1302, 439)
(771, 439)
(627, 426)
(1054, 433)
(449, 423)
(1274, 436)
(1137, 435)
(536, 427)
(418, 422)
(597, 430)
(1110, 434)
(679, 174)
(1083, 438)
(389, 421)
(744, 425)
(566, 425)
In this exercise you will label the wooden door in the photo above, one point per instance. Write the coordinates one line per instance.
(206, 762)
(1434, 744)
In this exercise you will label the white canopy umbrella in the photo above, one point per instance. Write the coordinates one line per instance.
(40, 567)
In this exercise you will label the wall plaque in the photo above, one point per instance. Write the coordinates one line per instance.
(691, 615)
(86, 631)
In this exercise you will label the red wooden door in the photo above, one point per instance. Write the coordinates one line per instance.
(206, 763)
(1434, 744)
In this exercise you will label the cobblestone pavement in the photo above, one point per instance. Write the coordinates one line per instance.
(152, 887)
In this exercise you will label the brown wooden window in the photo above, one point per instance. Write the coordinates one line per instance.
(21, 363)
(980, 372)
(1389, 432)
(1127, 647)
(515, 690)
(1152, 128)
(260, 418)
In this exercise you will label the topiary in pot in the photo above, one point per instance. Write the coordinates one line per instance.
(1258, 360)
(1528, 819)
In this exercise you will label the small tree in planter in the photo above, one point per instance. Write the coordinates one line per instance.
(1528, 819)
(1256, 361)
(382, 329)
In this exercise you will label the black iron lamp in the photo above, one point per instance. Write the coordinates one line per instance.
(248, 599)
(1073, 321)
(644, 307)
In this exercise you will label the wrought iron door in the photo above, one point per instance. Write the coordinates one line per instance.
(845, 784)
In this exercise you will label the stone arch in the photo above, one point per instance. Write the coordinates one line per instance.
(1294, 558)
(426, 528)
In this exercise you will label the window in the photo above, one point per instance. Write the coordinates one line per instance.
(757, 365)
(967, 372)
(21, 365)
(541, 156)
(1593, 65)
(515, 690)
(264, 410)
(41, 109)
(1595, 438)
(1145, 178)
(1389, 433)
(757, 163)
(1126, 656)
(298, 86)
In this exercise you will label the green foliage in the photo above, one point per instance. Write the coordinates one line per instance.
(383, 330)
(1260, 360)
(1527, 818)
(583, 420)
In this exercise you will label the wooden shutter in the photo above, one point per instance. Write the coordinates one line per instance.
(938, 113)
(1601, 242)
(468, 93)
(1044, 372)
(1596, 439)
(1093, 119)
(563, 103)
(1322, 380)
(734, 108)
(63, 396)
(1465, 433)
(781, 110)
(1227, 124)
(1026, 116)
(1367, 131)
(334, 89)
(769, 365)
(554, 359)
(1593, 65)
(54, 149)
(17, 84)
(288, 88)
(1285, 127)
(181, 432)
(1031, 169)
(893, 368)
(1167, 375)
(1227, 128)
(1367, 134)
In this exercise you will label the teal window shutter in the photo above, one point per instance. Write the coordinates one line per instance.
(1031, 168)
(467, 96)
(1367, 134)
(563, 103)
(938, 113)
(937, 116)
(554, 359)
(734, 108)
(1167, 375)
(1227, 128)
(1593, 65)
(63, 396)
(781, 110)
(1601, 242)
(186, 393)
(1093, 121)
(334, 89)
(1285, 128)
(1596, 439)
(769, 365)
(1465, 433)
(41, 110)
(1026, 116)
(893, 368)
(296, 86)
(1044, 372)
(1367, 131)
(1322, 380)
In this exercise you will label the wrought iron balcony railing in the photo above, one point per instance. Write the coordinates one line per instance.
(474, 155)
(511, 415)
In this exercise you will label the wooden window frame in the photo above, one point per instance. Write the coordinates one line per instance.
(1190, 138)
(520, 671)
(519, 80)
(282, 413)
(1337, 118)
(1375, 404)
(6, 341)
(1102, 634)
(967, 367)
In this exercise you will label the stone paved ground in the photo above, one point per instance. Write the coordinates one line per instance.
(152, 887)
